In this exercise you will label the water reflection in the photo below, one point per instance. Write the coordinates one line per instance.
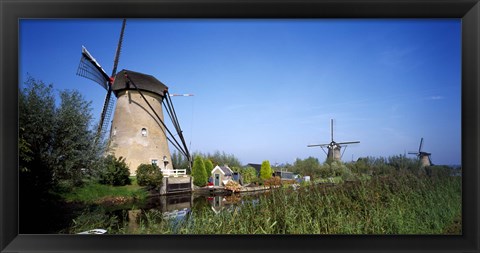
(174, 209)
(181, 203)
(170, 203)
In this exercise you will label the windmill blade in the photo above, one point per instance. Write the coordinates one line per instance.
(109, 102)
(421, 144)
(318, 145)
(331, 128)
(321, 146)
(413, 153)
(119, 48)
(348, 142)
(90, 69)
(181, 95)
(107, 110)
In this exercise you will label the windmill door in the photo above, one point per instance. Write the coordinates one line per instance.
(217, 180)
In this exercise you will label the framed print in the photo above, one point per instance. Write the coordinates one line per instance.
(240, 126)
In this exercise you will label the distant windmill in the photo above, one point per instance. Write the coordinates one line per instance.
(423, 156)
(333, 147)
(138, 132)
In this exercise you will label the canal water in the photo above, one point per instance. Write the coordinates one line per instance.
(173, 207)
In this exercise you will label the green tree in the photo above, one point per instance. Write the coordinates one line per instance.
(198, 172)
(149, 175)
(308, 167)
(208, 167)
(179, 161)
(249, 175)
(221, 158)
(56, 143)
(265, 170)
(36, 135)
(74, 148)
(115, 171)
(325, 171)
(402, 162)
(55, 146)
(24, 151)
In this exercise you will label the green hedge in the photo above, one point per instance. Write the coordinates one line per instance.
(149, 175)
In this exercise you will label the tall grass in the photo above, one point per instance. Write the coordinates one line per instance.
(401, 203)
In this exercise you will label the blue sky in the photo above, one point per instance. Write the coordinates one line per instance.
(265, 89)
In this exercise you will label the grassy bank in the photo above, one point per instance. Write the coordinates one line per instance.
(395, 204)
(95, 193)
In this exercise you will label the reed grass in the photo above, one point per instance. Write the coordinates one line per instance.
(401, 203)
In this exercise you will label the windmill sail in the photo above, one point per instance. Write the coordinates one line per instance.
(108, 103)
(333, 147)
(91, 69)
(106, 113)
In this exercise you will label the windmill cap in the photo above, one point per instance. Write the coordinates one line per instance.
(143, 82)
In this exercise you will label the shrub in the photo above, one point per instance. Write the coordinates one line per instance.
(249, 175)
(149, 175)
(265, 170)
(115, 171)
(208, 167)
(198, 172)
(326, 170)
(307, 167)
(347, 175)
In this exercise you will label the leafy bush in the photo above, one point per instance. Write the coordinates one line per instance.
(308, 167)
(249, 175)
(265, 170)
(149, 175)
(208, 167)
(115, 171)
(199, 173)
(326, 171)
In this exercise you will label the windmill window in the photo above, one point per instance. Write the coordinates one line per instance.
(154, 162)
(114, 131)
(144, 132)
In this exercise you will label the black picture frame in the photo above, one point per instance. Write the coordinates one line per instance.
(11, 11)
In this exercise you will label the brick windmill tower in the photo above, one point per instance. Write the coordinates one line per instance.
(138, 131)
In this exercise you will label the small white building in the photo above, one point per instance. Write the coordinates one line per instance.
(221, 175)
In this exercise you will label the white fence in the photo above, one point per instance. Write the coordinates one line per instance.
(174, 173)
